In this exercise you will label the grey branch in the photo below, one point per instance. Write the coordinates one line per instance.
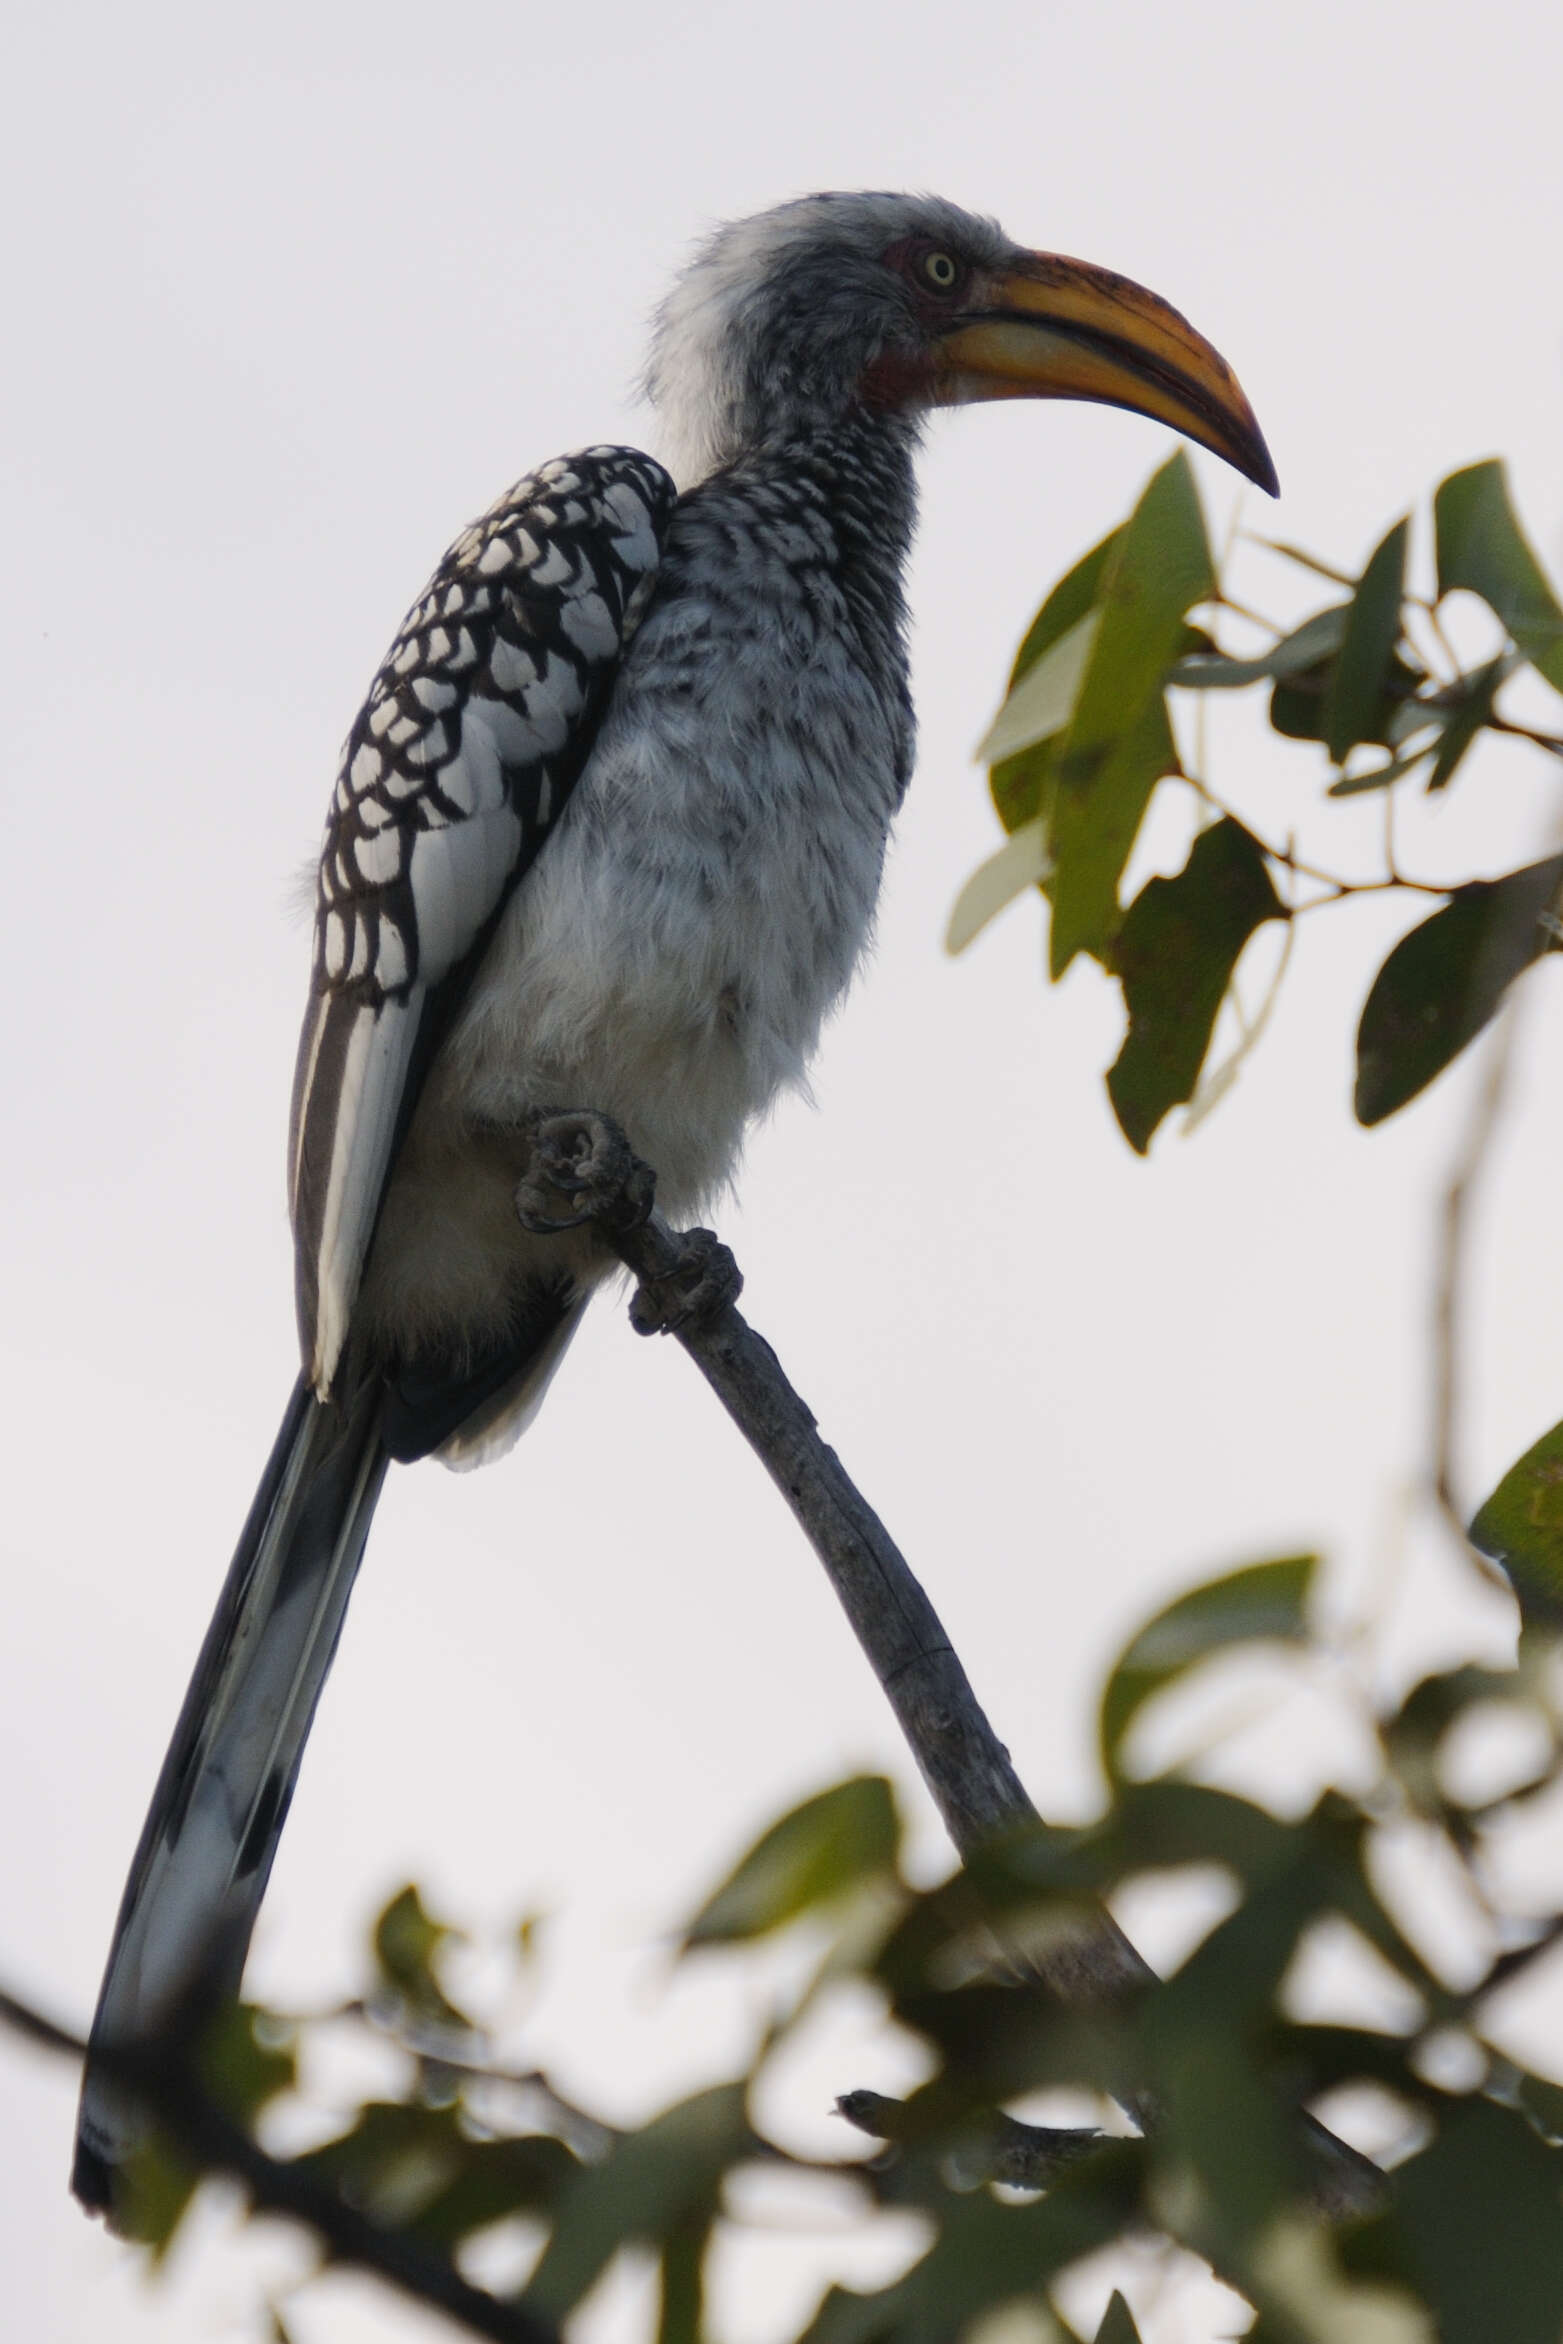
(582, 1169)
(161, 2077)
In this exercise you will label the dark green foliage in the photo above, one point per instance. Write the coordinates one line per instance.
(1174, 955)
(1359, 681)
(815, 1856)
(1472, 2227)
(1117, 2324)
(1443, 982)
(1350, 678)
(1482, 548)
(1521, 1527)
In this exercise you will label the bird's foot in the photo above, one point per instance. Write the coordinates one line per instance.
(582, 1169)
(700, 1282)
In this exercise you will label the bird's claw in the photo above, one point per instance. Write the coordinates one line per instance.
(701, 1282)
(582, 1163)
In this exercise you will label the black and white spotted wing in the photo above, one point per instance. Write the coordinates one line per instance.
(459, 763)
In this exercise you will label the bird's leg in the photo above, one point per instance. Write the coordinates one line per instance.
(699, 1281)
(582, 1169)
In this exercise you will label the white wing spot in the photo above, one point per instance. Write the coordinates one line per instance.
(430, 692)
(379, 858)
(390, 956)
(589, 626)
(366, 768)
(511, 669)
(554, 570)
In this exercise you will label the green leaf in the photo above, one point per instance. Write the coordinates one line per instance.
(1044, 699)
(1482, 2211)
(841, 1840)
(1117, 2323)
(1361, 670)
(1542, 2102)
(407, 1945)
(657, 2182)
(239, 2068)
(1267, 1600)
(1017, 782)
(989, 2253)
(1300, 702)
(1118, 742)
(1317, 639)
(1097, 809)
(1022, 861)
(1521, 1527)
(1355, 785)
(1107, 740)
(682, 2307)
(1442, 983)
(1482, 547)
(1175, 953)
(1472, 710)
(156, 2186)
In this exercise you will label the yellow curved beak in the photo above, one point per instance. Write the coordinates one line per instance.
(1052, 328)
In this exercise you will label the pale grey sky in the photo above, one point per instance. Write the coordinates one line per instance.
(293, 293)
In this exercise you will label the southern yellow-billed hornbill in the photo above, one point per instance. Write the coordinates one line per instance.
(607, 833)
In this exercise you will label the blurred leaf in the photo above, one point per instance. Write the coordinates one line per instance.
(1097, 808)
(661, 2180)
(683, 2284)
(1442, 983)
(1482, 2211)
(241, 2071)
(1043, 701)
(1017, 782)
(988, 2253)
(1361, 670)
(1542, 2102)
(1317, 639)
(1299, 704)
(1160, 567)
(1175, 953)
(407, 1945)
(1472, 710)
(1118, 741)
(1022, 861)
(1117, 2323)
(1482, 547)
(422, 2169)
(1521, 1527)
(1265, 1600)
(1354, 785)
(1413, 1734)
(834, 1843)
(156, 2186)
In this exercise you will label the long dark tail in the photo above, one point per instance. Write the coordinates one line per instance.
(207, 1845)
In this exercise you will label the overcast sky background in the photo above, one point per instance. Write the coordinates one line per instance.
(291, 294)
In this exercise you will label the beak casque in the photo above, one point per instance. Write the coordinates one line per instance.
(1052, 328)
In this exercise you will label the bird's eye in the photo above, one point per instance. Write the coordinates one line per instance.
(940, 271)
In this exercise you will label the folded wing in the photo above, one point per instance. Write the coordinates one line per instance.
(460, 762)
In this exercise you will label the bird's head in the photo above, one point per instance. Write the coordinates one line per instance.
(782, 324)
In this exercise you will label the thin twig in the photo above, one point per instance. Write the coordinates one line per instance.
(275, 2186)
